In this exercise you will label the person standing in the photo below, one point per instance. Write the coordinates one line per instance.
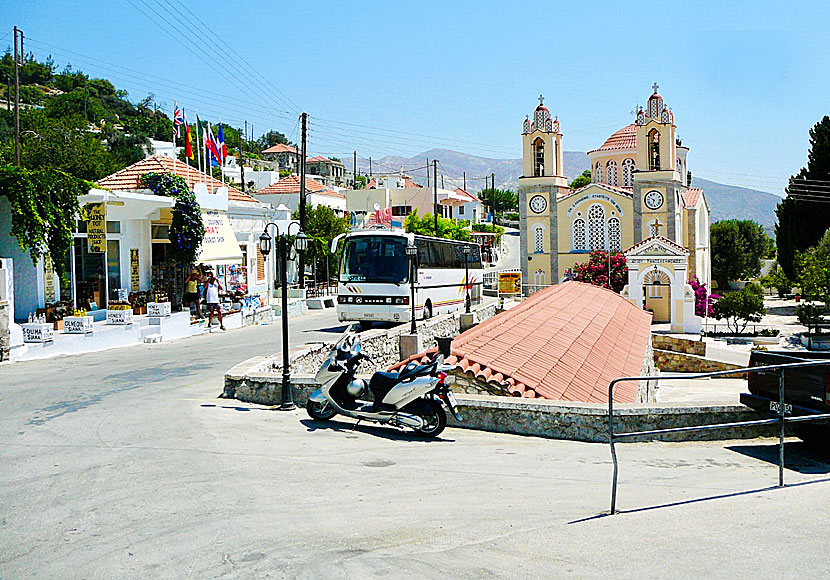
(191, 295)
(212, 288)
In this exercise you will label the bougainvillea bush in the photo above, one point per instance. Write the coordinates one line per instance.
(187, 229)
(701, 294)
(595, 270)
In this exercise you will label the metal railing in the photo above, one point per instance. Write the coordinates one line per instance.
(781, 418)
(491, 278)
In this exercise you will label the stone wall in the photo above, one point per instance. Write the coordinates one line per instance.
(5, 337)
(676, 344)
(668, 361)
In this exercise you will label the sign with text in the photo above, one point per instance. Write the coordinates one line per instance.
(96, 227)
(77, 324)
(219, 246)
(119, 316)
(48, 279)
(134, 277)
(510, 282)
(37, 332)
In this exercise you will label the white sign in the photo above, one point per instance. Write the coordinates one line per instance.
(38, 332)
(119, 316)
(77, 325)
(601, 196)
(159, 308)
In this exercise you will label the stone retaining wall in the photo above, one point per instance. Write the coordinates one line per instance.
(668, 361)
(5, 336)
(676, 344)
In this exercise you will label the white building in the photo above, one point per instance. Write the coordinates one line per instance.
(287, 192)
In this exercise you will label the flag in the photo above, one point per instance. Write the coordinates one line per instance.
(188, 145)
(210, 143)
(223, 149)
(178, 118)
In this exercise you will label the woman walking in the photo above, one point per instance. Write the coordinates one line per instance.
(212, 288)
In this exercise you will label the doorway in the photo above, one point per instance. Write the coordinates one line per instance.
(657, 290)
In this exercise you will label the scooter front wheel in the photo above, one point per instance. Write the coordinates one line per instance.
(435, 419)
(320, 411)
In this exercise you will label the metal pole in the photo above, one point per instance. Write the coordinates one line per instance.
(467, 282)
(435, 192)
(16, 100)
(781, 433)
(412, 329)
(287, 395)
(613, 447)
(493, 185)
(304, 118)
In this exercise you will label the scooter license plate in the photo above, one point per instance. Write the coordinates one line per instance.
(453, 404)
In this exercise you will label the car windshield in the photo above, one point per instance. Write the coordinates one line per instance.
(375, 259)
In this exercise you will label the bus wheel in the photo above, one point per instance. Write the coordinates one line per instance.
(427, 310)
(365, 324)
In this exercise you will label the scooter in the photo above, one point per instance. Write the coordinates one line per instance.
(410, 398)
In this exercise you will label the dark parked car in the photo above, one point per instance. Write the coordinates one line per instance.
(806, 390)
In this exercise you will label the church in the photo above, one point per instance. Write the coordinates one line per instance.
(639, 202)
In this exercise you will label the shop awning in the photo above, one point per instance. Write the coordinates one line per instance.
(219, 245)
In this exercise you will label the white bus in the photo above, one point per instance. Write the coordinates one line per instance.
(375, 284)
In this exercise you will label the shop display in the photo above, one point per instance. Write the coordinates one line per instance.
(159, 309)
(119, 312)
(78, 324)
(38, 331)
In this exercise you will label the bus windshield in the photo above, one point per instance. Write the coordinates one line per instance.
(375, 259)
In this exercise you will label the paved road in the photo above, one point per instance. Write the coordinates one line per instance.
(123, 464)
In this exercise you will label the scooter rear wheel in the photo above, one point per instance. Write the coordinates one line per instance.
(320, 411)
(435, 420)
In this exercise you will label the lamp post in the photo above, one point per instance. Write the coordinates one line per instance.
(412, 253)
(301, 243)
(466, 248)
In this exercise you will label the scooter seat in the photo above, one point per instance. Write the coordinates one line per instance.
(382, 383)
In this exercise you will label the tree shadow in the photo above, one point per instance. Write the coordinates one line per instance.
(781, 310)
(798, 456)
(390, 433)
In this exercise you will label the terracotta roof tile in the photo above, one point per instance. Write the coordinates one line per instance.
(280, 148)
(129, 178)
(625, 138)
(461, 192)
(291, 185)
(691, 197)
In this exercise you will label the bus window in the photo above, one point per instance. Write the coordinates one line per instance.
(375, 259)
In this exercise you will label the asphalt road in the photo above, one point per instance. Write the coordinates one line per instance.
(124, 464)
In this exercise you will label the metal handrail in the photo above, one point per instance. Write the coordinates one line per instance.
(781, 419)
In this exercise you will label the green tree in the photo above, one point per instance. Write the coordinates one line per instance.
(505, 200)
(322, 226)
(814, 270)
(581, 180)
(740, 308)
(737, 249)
(425, 226)
(777, 279)
(804, 214)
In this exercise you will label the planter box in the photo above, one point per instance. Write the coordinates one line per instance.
(139, 310)
(159, 308)
(816, 341)
(119, 317)
(36, 332)
(77, 325)
(766, 340)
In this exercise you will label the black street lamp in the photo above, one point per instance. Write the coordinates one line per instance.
(466, 248)
(412, 253)
(301, 243)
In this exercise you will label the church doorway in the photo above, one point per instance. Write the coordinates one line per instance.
(657, 292)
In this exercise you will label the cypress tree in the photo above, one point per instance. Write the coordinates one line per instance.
(804, 215)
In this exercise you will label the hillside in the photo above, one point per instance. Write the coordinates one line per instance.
(725, 201)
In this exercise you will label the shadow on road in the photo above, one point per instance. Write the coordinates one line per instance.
(798, 456)
(383, 432)
(237, 408)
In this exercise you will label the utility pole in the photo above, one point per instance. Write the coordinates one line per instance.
(370, 166)
(493, 186)
(354, 169)
(17, 52)
(427, 172)
(442, 181)
(465, 181)
(435, 192)
(304, 118)
(241, 158)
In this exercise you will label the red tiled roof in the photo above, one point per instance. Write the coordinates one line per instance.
(625, 138)
(280, 148)
(691, 196)
(130, 177)
(565, 343)
(409, 184)
(291, 184)
(317, 159)
(666, 241)
(467, 193)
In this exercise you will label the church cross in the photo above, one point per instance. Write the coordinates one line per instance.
(655, 86)
(541, 100)
(657, 226)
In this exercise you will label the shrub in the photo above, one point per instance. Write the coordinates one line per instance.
(702, 297)
(810, 314)
(741, 307)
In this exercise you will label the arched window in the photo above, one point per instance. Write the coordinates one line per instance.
(628, 173)
(654, 150)
(614, 234)
(579, 235)
(538, 157)
(596, 227)
(598, 173)
(538, 239)
(611, 171)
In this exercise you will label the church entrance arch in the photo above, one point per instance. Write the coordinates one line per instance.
(657, 292)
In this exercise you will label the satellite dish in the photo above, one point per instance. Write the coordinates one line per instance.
(377, 206)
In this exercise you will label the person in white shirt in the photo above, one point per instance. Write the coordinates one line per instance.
(212, 288)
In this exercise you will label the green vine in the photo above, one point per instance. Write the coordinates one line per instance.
(44, 206)
(187, 229)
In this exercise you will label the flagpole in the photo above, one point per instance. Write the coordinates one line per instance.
(175, 108)
(186, 158)
(221, 157)
(198, 151)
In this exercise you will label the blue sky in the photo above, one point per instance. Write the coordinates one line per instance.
(746, 80)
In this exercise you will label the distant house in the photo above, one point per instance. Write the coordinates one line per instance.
(287, 192)
(330, 172)
(286, 157)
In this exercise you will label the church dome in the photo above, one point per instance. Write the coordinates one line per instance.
(625, 138)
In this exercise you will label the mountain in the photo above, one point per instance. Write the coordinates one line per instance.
(725, 201)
